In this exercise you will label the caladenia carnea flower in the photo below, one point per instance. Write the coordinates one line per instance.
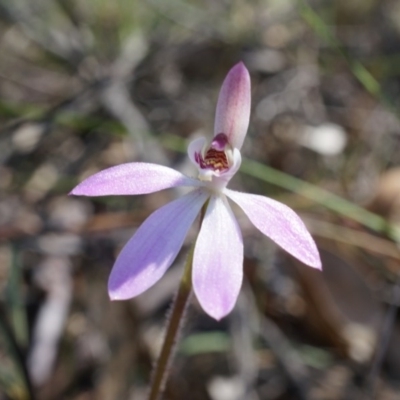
(217, 269)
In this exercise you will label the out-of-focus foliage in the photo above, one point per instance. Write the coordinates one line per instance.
(89, 84)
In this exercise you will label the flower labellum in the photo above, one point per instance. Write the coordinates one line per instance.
(218, 255)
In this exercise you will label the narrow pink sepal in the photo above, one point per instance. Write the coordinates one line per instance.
(281, 224)
(154, 246)
(218, 260)
(131, 179)
(233, 107)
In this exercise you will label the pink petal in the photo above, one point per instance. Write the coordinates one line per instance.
(218, 260)
(281, 224)
(233, 108)
(149, 253)
(132, 178)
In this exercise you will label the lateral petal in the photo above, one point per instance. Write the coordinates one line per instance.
(218, 259)
(280, 223)
(132, 178)
(195, 146)
(154, 246)
(233, 107)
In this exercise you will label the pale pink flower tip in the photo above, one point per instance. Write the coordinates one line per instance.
(233, 107)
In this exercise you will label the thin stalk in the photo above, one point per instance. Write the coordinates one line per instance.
(174, 326)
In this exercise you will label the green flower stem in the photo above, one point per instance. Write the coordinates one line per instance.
(174, 325)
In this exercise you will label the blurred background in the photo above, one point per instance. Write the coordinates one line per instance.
(85, 85)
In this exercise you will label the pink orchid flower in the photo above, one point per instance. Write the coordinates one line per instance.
(218, 256)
